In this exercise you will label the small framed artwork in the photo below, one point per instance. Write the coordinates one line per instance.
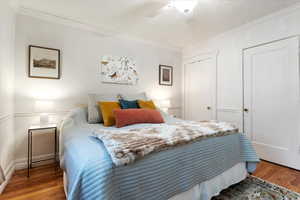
(44, 62)
(165, 75)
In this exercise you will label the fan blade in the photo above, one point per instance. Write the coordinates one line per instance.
(147, 9)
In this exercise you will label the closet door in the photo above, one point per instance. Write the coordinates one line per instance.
(271, 101)
(200, 90)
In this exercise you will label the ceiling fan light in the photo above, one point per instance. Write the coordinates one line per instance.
(184, 6)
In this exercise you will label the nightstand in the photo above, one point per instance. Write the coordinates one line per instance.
(31, 130)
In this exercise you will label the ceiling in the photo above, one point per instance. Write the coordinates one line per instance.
(152, 20)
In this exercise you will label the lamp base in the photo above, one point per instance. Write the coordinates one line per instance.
(166, 110)
(44, 118)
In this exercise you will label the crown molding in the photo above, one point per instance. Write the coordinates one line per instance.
(200, 56)
(275, 15)
(101, 31)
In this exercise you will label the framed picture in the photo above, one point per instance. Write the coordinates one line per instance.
(165, 75)
(119, 70)
(44, 62)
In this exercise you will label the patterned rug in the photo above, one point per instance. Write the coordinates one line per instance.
(257, 189)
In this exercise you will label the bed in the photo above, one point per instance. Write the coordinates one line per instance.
(199, 170)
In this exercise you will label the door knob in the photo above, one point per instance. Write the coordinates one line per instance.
(246, 109)
(208, 107)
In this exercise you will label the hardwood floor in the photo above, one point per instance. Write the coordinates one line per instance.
(45, 183)
(280, 175)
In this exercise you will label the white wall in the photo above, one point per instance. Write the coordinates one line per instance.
(81, 53)
(230, 44)
(7, 30)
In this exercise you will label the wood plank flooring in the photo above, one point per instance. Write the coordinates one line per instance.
(45, 183)
(280, 175)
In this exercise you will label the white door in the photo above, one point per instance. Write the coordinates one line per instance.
(271, 101)
(200, 90)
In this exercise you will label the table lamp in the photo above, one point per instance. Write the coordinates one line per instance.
(43, 108)
(164, 105)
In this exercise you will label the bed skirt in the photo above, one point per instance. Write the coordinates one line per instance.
(207, 189)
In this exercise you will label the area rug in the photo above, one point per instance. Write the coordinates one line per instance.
(257, 189)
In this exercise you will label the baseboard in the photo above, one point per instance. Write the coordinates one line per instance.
(22, 162)
(8, 172)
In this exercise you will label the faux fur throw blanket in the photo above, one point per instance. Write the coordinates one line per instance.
(126, 146)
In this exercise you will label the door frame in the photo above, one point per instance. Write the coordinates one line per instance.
(243, 67)
(213, 55)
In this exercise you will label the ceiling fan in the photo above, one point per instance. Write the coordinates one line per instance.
(183, 6)
(151, 9)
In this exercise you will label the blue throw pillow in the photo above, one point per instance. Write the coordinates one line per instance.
(128, 104)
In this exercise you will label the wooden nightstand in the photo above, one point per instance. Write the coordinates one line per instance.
(31, 130)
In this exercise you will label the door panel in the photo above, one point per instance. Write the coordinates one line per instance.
(271, 94)
(199, 89)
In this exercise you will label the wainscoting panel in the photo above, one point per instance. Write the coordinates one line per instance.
(4, 117)
(6, 147)
(43, 141)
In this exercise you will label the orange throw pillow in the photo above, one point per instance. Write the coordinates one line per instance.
(146, 104)
(107, 109)
(136, 116)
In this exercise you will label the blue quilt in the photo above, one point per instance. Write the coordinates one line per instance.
(92, 175)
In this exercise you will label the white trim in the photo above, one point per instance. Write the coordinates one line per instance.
(275, 15)
(198, 58)
(5, 117)
(21, 163)
(281, 13)
(36, 114)
(90, 27)
(174, 108)
(270, 146)
(8, 172)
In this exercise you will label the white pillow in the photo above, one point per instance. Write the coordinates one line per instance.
(94, 112)
(136, 96)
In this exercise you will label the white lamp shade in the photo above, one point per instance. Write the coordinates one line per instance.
(165, 103)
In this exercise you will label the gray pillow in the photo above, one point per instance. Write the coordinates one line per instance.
(94, 112)
(135, 96)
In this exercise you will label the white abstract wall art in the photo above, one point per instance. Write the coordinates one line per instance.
(119, 70)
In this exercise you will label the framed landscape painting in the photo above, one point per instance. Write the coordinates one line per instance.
(44, 62)
(165, 75)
